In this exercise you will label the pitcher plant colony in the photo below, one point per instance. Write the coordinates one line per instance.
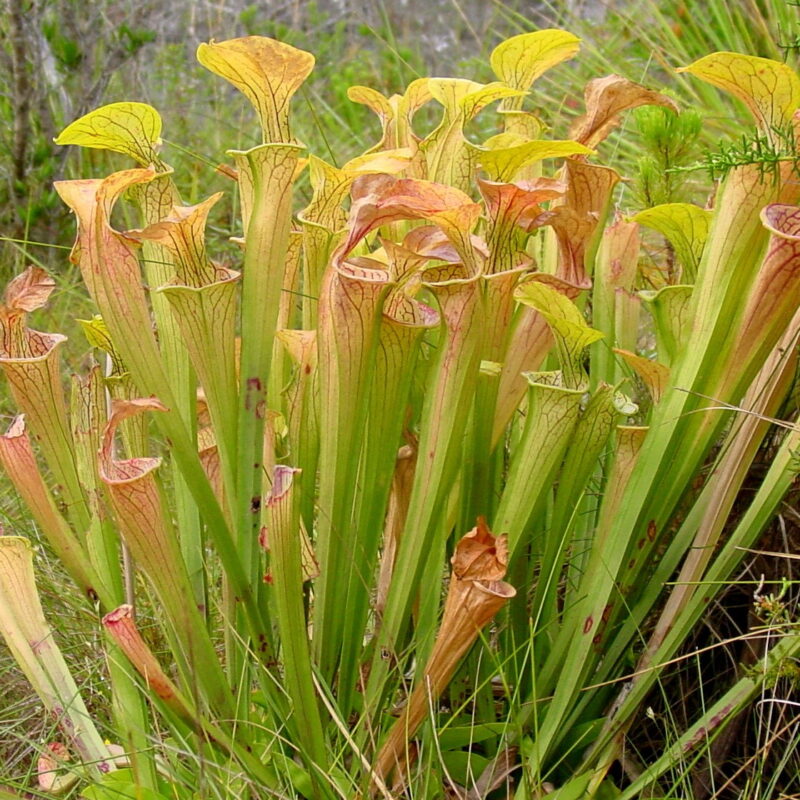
(427, 493)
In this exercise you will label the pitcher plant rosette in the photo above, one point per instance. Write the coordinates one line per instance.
(417, 508)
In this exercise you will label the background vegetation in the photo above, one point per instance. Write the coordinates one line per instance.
(62, 58)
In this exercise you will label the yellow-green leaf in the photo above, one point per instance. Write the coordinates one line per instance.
(505, 154)
(520, 60)
(769, 89)
(266, 71)
(570, 330)
(133, 129)
(388, 161)
(451, 159)
(396, 113)
(686, 226)
(671, 310)
(372, 99)
(97, 334)
(468, 97)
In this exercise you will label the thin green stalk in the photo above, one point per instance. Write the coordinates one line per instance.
(444, 418)
(283, 513)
